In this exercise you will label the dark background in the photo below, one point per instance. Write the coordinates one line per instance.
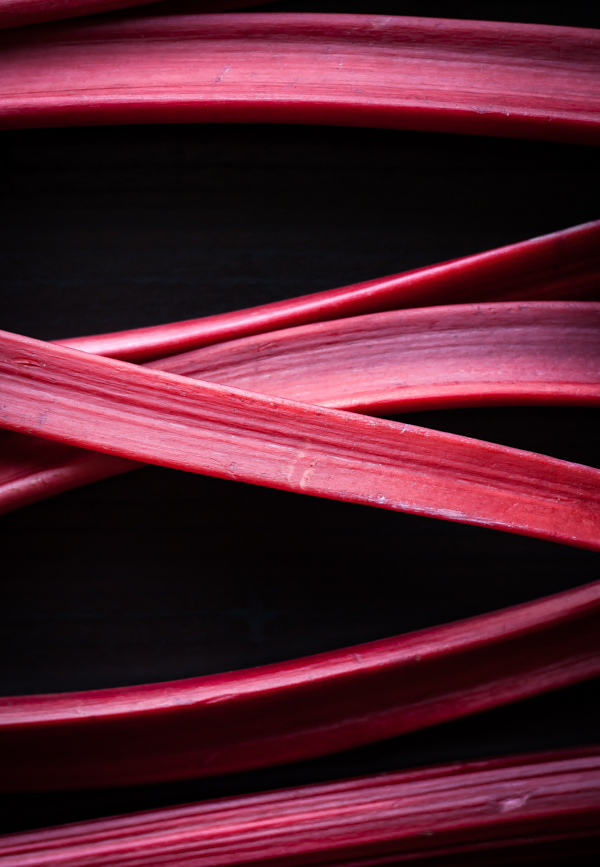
(158, 574)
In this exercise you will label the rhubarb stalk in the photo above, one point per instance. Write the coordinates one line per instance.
(302, 708)
(536, 352)
(561, 266)
(486, 812)
(486, 78)
(149, 415)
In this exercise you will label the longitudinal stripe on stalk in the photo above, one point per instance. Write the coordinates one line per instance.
(534, 352)
(302, 708)
(498, 810)
(148, 415)
(561, 266)
(524, 80)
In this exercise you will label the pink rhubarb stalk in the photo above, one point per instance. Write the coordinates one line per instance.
(530, 352)
(562, 266)
(489, 78)
(483, 812)
(302, 708)
(428, 358)
(149, 415)
(498, 811)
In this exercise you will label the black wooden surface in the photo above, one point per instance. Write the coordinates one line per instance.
(158, 574)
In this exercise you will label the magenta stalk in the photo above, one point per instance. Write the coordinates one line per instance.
(484, 78)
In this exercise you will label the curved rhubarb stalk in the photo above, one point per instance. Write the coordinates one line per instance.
(302, 708)
(536, 352)
(148, 415)
(16, 13)
(525, 80)
(497, 810)
(563, 265)
(428, 358)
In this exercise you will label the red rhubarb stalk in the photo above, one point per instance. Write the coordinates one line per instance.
(564, 265)
(498, 811)
(530, 352)
(428, 358)
(487, 812)
(524, 80)
(491, 811)
(302, 708)
(149, 415)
